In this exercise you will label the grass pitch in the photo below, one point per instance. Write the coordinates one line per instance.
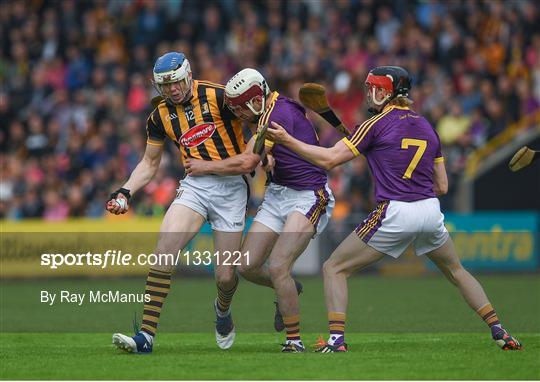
(256, 356)
(397, 328)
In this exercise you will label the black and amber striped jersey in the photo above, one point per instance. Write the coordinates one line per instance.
(202, 128)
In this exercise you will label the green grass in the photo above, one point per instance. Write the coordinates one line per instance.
(256, 356)
(397, 328)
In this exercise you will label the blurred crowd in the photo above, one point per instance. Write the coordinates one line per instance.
(75, 83)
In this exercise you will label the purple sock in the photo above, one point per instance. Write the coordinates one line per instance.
(496, 330)
(336, 339)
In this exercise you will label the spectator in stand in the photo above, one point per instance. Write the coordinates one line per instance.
(454, 125)
(75, 84)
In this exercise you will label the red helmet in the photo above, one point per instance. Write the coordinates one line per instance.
(394, 79)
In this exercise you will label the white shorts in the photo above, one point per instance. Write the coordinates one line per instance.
(280, 201)
(395, 225)
(221, 200)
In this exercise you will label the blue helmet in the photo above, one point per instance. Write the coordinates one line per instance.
(173, 67)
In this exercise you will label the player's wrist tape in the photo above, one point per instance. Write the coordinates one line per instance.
(122, 191)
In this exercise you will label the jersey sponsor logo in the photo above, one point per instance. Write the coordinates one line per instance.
(205, 108)
(197, 135)
(171, 116)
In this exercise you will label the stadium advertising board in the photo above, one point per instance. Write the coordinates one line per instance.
(499, 241)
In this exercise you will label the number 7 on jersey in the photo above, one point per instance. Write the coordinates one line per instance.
(421, 144)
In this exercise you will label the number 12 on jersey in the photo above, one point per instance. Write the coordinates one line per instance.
(421, 148)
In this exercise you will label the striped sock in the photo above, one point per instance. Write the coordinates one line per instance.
(292, 325)
(158, 285)
(224, 298)
(336, 326)
(489, 316)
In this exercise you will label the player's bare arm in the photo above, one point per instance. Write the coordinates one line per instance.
(140, 177)
(324, 157)
(146, 169)
(243, 163)
(440, 179)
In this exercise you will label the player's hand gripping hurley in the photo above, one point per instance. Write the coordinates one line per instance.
(258, 148)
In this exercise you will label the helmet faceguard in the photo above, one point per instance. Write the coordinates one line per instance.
(245, 94)
(378, 82)
(172, 77)
(394, 79)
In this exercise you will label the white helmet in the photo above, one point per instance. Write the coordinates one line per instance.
(242, 89)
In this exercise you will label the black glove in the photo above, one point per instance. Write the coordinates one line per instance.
(122, 191)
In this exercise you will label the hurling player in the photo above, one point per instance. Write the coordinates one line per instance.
(193, 116)
(404, 155)
(297, 202)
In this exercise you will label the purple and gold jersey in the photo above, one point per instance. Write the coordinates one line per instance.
(401, 148)
(290, 169)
